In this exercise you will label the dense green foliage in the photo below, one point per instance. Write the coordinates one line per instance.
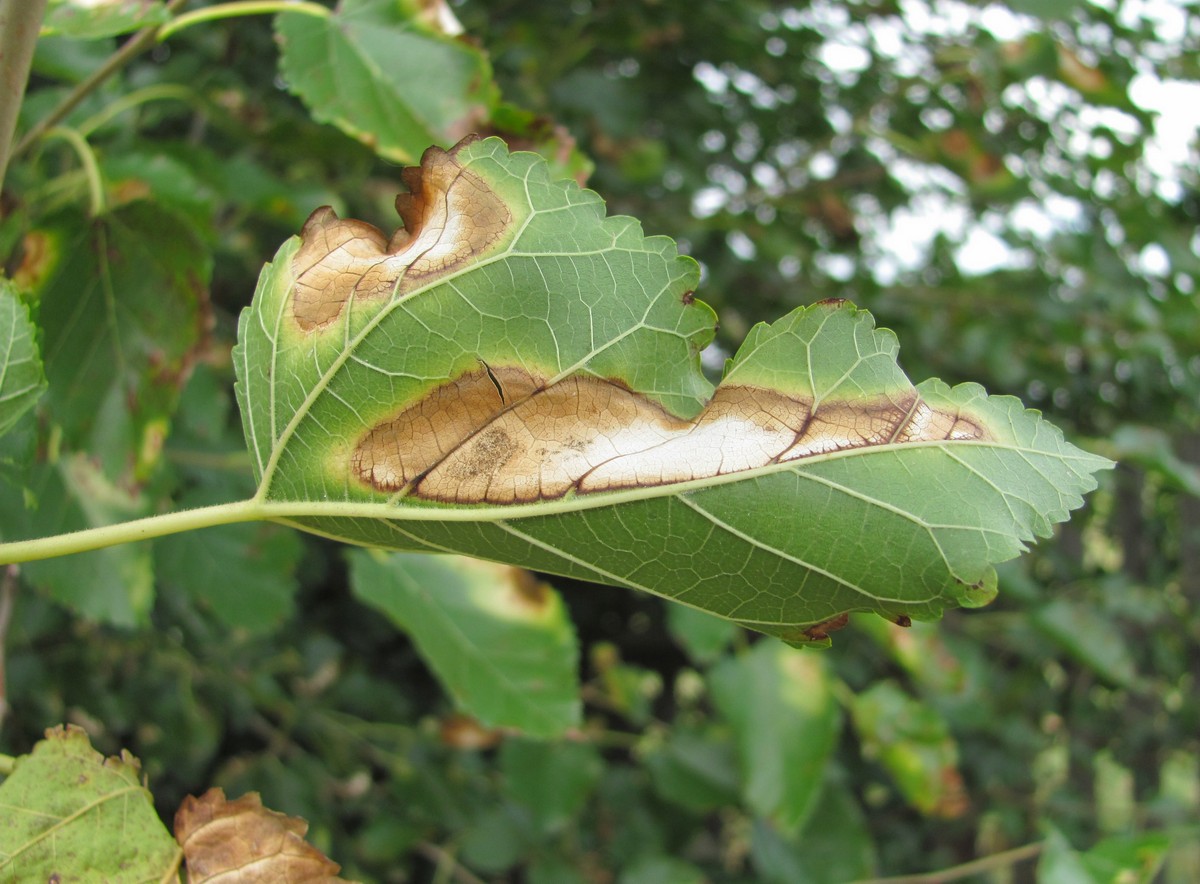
(798, 154)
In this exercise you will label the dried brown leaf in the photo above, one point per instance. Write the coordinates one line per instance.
(242, 842)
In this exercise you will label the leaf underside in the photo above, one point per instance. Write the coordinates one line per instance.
(513, 376)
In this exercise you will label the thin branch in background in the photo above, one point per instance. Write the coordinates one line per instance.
(20, 21)
(8, 594)
(996, 861)
(444, 860)
(134, 46)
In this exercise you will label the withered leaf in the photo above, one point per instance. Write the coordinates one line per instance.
(516, 377)
(242, 842)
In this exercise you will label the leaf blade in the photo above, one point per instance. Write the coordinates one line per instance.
(22, 378)
(515, 377)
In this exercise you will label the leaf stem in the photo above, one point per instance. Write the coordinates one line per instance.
(133, 47)
(160, 92)
(87, 159)
(1001, 860)
(130, 532)
(20, 21)
(239, 8)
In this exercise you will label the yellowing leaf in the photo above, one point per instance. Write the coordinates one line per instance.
(66, 810)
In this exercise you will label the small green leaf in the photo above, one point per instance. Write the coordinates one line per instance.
(22, 380)
(91, 20)
(694, 770)
(384, 73)
(68, 809)
(780, 703)
(914, 744)
(497, 638)
(551, 781)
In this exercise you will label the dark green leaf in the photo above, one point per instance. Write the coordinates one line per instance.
(550, 780)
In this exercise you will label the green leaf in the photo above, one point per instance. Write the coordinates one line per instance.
(780, 703)
(694, 770)
(1084, 632)
(515, 377)
(835, 849)
(702, 635)
(67, 809)
(550, 780)
(112, 585)
(22, 380)
(385, 73)
(89, 20)
(913, 743)
(498, 639)
(122, 302)
(244, 575)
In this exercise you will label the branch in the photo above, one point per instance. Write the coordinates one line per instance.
(996, 861)
(134, 46)
(20, 21)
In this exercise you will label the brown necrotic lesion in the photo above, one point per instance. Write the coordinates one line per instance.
(450, 217)
(465, 443)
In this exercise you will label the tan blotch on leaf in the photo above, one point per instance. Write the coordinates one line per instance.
(503, 436)
(450, 217)
(242, 842)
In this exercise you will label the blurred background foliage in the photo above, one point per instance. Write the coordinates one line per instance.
(1011, 187)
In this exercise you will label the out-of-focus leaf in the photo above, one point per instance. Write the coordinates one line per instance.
(695, 770)
(243, 574)
(113, 585)
(123, 305)
(913, 743)
(626, 689)
(497, 839)
(22, 379)
(548, 400)
(1135, 859)
(1093, 640)
(780, 703)
(499, 639)
(836, 848)
(242, 840)
(922, 651)
(702, 635)
(93, 19)
(550, 780)
(68, 810)
(384, 74)
(662, 869)
(1151, 448)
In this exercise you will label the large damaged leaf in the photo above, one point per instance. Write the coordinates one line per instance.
(513, 376)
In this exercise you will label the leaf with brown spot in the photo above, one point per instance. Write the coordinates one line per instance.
(242, 841)
(516, 377)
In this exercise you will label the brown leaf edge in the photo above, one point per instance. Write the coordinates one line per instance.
(242, 841)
